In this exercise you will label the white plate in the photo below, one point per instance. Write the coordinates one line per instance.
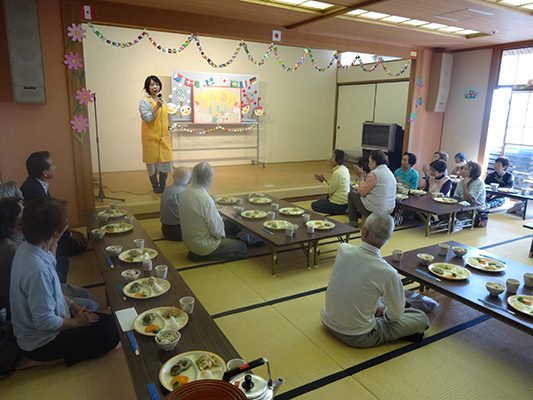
(400, 196)
(254, 214)
(146, 291)
(193, 373)
(277, 224)
(519, 306)
(260, 200)
(120, 227)
(126, 257)
(507, 190)
(445, 200)
(417, 192)
(112, 213)
(291, 211)
(490, 264)
(449, 271)
(175, 323)
(227, 200)
(321, 225)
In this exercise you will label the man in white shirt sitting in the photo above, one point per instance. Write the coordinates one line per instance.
(170, 219)
(365, 301)
(202, 226)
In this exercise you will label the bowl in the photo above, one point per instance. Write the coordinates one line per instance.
(459, 251)
(114, 250)
(425, 258)
(131, 274)
(98, 233)
(167, 339)
(495, 288)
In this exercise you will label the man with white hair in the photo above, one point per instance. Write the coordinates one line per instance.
(202, 226)
(365, 301)
(170, 219)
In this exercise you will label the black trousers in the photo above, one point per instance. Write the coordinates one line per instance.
(171, 232)
(79, 344)
(67, 247)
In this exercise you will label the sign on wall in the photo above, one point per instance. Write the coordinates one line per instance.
(216, 105)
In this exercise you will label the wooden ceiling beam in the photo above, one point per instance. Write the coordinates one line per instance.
(333, 13)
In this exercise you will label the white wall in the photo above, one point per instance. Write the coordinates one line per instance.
(463, 118)
(299, 106)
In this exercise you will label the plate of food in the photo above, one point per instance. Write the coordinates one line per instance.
(277, 224)
(152, 321)
(522, 303)
(449, 271)
(120, 227)
(112, 213)
(291, 211)
(260, 200)
(191, 366)
(254, 214)
(417, 192)
(507, 190)
(146, 288)
(445, 200)
(321, 225)
(228, 200)
(486, 264)
(401, 196)
(137, 255)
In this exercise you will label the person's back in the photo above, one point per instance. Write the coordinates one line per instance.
(382, 197)
(169, 207)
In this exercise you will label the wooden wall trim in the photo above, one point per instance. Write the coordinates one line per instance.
(336, 111)
(410, 94)
(354, 83)
(503, 46)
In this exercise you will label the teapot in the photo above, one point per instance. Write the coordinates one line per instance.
(253, 386)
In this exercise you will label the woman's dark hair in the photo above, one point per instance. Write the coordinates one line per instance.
(442, 155)
(504, 161)
(460, 156)
(340, 157)
(36, 163)
(475, 170)
(411, 157)
(147, 83)
(10, 209)
(42, 218)
(439, 165)
(379, 157)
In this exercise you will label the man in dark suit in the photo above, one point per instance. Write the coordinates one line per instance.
(41, 169)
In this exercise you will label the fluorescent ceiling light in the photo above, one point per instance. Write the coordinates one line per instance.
(467, 32)
(415, 22)
(374, 15)
(433, 26)
(316, 4)
(356, 12)
(451, 29)
(293, 2)
(515, 2)
(395, 19)
(528, 6)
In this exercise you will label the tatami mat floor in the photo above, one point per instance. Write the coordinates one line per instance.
(278, 318)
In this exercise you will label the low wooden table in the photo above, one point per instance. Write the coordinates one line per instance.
(307, 242)
(529, 225)
(201, 332)
(425, 206)
(471, 290)
(527, 199)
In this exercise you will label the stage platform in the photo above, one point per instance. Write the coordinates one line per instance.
(283, 180)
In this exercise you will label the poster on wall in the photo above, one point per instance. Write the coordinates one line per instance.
(195, 92)
(216, 105)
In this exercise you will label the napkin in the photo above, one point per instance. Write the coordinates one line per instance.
(126, 317)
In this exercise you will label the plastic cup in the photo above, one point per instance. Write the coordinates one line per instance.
(161, 271)
(528, 279)
(397, 255)
(113, 206)
(129, 219)
(306, 217)
(275, 207)
(310, 229)
(138, 243)
(443, 249)
(103, 218)
(187, 304)
(271, 215)
(239, 201)
(523, 191)
(289, 231)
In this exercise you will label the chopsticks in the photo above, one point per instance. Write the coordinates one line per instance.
(152, 391)
(133, 343)
(428, 275)
(489, 304)
(267, 231)
(120, 291)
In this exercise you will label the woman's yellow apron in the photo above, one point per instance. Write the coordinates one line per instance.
(156, 142)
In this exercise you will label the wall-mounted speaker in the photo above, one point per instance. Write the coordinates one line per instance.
(24, 46)
(439, 81)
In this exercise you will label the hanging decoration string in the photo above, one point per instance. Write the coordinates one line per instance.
(272, 49)
(185, 128)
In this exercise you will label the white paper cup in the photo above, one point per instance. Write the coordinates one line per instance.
(187, 304)
(138, 243)
(161, 271)
(397, 255)
(235, 363)
(443, 249)
(512, 285)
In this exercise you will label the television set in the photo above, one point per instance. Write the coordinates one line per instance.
(379, 136)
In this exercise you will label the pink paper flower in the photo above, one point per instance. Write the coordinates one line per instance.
(79, 123)
(76, 33)
(73, 61)
(84, 96)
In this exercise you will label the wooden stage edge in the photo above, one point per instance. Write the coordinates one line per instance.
(283, 180)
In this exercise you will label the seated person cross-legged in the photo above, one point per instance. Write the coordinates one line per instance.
(460, 162)
(365, 300)
(471, 189)
(48, 325)
(377, 192)
(406, 174)
(337, 187)
(438, 181)
(202, 227)
(502, 177)
(170, 219)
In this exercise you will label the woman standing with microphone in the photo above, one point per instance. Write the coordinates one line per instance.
(156, 142)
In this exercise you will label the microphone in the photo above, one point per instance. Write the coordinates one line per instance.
(159, 95)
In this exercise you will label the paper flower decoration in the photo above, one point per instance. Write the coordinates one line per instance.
(471, 93)
(84, 96)
(79, 123)
(412, 117)
(76, 33)
(73, 61)
(419, 82)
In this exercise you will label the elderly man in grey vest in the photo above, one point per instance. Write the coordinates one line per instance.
(202, 227)
(365, 301)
